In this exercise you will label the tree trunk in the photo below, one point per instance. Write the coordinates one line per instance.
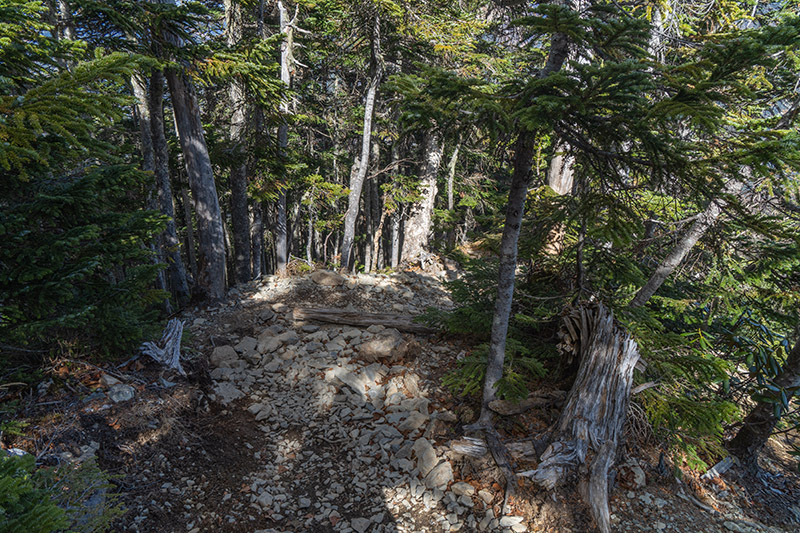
(211, 275)
(758, 425)
(190, 245)
(240, 217)
(357, 181)
(257, 238)
(396, 238)
(368, 225)
(451, 204)
(176, 270)
(523, 155)
(142, 113)
(561, 172)
(419, 224)
(520, 178)
(676, 256)
(66, 27)
(281, 227)
(594, 415)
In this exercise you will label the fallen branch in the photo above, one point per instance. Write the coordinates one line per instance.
(360, 318)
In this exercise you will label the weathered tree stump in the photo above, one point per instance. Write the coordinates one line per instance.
(590, 425)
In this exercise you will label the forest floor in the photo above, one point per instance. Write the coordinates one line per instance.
(290, 427)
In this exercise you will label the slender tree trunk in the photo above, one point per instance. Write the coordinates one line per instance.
(420, 223)
(451, 204)
(281, 227)
(368, 225)
(66, 28)
(396, 238)
(523, 156)
(357, 182)
(257, 238)
(676, 256)
(240, 216)
(176, 270)
(758, 425)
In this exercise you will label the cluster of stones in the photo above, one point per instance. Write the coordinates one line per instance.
(351, 434)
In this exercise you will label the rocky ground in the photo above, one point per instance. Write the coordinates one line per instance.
(307, 427)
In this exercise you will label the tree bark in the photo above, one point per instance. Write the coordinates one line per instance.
(675, 257)
(360, 318)
(396, 238)
(758, 425)
(419, 224)
(357, 181)
(368, 225)
(281, 226)
(190, 244)
(594, 415)
(142, 113)
(523, 156)
(240, 216)
(211, 275)
(176, 270)
(451, 204)
(257, 238)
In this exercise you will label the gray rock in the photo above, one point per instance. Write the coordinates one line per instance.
(462, 489)
(510, 521)
(327, 278)
(360, 524)
(121, 393)
(227, 392)
(223, 356)
(426, 456)
(269, 344)
(246, 345)
(388, 345)
(413, 421)
(108, 381)
(310, 328)
(440, 476)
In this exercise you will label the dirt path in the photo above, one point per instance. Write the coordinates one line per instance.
(321, 428)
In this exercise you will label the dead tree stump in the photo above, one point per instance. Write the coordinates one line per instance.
(590, 425)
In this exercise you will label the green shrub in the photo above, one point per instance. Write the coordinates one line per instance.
(73, 497)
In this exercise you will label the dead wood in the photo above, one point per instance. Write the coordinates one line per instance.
(590, 425)
(360, 318)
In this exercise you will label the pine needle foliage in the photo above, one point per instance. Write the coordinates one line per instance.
(74, 261)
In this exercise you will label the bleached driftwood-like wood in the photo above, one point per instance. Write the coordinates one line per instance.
(590, 425)
(360, 318)
(168, 350)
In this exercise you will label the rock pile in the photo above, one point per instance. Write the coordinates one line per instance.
(351, 434)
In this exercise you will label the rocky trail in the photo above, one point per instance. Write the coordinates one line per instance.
(312, 427)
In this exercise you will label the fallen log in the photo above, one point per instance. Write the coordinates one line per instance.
(360, 318)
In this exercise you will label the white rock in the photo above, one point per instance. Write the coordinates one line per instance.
(440, 476)
(121, 393)
(426, 456)
(462, 489)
